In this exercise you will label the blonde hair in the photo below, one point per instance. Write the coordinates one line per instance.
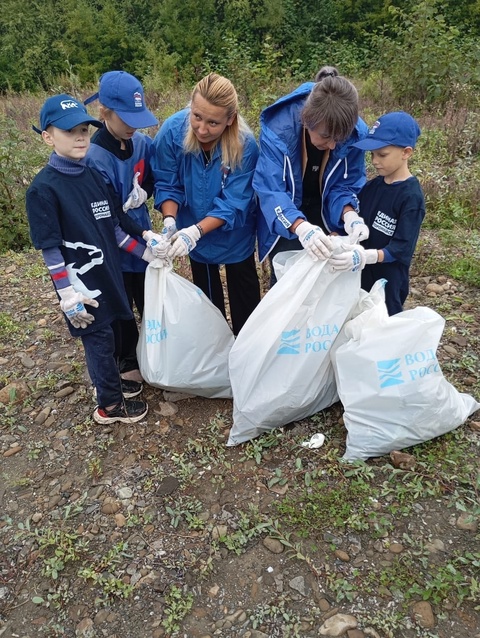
(220, 92)
(333, 102)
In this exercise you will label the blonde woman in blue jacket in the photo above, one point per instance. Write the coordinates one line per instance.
(309, 172)
(203, 162)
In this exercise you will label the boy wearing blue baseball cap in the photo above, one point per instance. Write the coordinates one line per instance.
(71, 221)
(393, 207)
(121, 154)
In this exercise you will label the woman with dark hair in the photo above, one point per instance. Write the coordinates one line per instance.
(309, 173)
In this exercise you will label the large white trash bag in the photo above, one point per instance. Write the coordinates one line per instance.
(390, 382)
(280, 367)
(184, 339)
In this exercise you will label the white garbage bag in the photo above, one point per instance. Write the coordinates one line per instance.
(280, 367)
(390, 382)
(184, 339)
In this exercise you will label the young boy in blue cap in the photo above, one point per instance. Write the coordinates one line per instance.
(393, 207)
(121, 154)
(71, 221)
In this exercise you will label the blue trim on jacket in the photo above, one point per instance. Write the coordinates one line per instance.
(119, 173)
(213, 190)
(279, 174)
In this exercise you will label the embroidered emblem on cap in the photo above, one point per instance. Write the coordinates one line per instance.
(374, 128)
(68, 104)
(138, 100)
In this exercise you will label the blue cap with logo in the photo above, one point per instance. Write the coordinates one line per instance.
(64, 112)
(123, 93)
(393, 129)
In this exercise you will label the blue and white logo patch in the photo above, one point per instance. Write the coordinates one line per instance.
(389, 373)
(290, 342)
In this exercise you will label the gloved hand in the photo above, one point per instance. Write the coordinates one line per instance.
(169, 227)
(355, 226)
(148, 256)
(353, 258)
(73, 305)
(137, 195)
(314, 240)
(184, 241)
(157, 243)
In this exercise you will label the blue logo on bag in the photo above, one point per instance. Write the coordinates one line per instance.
(290, 342)
(389, 373)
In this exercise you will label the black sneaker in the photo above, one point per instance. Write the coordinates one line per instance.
(125, 412)
(131, 389)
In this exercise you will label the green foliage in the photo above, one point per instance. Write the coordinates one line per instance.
(16, 169)
(442, 62)
(177, 605)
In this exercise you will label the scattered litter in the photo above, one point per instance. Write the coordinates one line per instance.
(315, 442)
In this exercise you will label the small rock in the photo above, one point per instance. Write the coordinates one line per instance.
(396, 548)
(435, 546)
(64, 392)
(168, 485)
(434, 289)
(85, 629)
(176, 396)
(219, 531)
(110, 507)
(125, 492)
(402, 460)
(27, 362)
(167, 409)
(338, 625)
(341, 555)
(14, 392)
(273, 545)
(13, 450)
(298, 584)
(120, 520)
(423, 614)
(467, 522)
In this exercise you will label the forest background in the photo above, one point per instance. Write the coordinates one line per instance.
(423, 57)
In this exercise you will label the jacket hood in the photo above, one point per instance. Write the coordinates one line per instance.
(296, 97)
(281, 121)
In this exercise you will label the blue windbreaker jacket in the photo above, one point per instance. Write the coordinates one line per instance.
(279, 174)
(213, 190)
(120, 174)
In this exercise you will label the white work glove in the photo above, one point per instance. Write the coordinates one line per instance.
(73, 305)
(137, 195)
(355, 226)
(314, 240)
(354, 258)
(184, 241)
(148, 256)
(157, 243)
(169, 227)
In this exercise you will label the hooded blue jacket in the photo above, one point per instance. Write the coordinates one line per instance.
(213, 190)
(279, 174)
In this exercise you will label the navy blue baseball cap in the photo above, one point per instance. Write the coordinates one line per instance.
(123, 93)
(64, 112)
(393, 129)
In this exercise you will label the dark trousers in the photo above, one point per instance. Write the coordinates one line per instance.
(243, 287)
(100, 354)
(281, 246)
(135, 288)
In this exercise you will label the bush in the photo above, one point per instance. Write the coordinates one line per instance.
(17, 168)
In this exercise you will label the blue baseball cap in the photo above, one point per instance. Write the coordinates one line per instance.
(64, 112)
(123, 93)
(393, 129)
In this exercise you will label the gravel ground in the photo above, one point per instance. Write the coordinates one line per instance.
(159, 529)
